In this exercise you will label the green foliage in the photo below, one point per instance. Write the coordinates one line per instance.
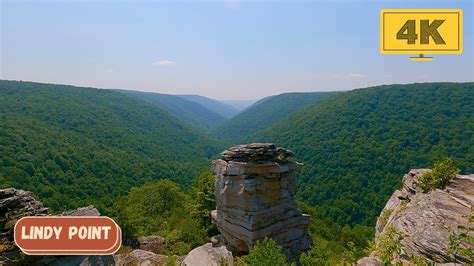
(332, 243)
(266, 252)
(160, 208)
(389, 246)
(357, 145)
(442, 174)
(264, 113)
(420, 261)
(171, 261)
(76, 146)
(204, 201)
(317, 255)
(383, 219)
(462, 235)
(188, 111)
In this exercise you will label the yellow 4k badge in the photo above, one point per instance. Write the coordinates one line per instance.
(421, 31)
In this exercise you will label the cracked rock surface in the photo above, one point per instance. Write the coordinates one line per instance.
(427, 220)
(255, 198)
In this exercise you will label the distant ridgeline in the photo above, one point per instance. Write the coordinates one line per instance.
(200, 112)
(76, 146)
(265, 113)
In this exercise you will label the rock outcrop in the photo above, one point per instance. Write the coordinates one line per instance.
(427, 220)
(84, 211)
(255, 198)
(139, 257)
(17, 203)
(209, 255)
(155, 244)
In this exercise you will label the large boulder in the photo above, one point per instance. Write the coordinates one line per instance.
(255, 198)
(155, 244)
(209, 255)
(84, 211)
(427, 222)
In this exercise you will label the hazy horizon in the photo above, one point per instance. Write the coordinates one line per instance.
(221, 50)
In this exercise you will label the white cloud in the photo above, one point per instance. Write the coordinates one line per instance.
(164, 62)
(110, 70)
(357, 75)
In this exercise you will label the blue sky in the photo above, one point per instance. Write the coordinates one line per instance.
(219, 49)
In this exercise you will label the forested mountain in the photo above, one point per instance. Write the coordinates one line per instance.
(215, 106)
(357, 145)
(75, 146)
(188, 111)
(264, 113)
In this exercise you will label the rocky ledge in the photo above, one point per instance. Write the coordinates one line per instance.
(255, 198)
(428, 222)
(256, 152)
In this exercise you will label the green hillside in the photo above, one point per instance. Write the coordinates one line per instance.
(188, 111)
(215, 106)
(75, 146)
(264, 113)
(357, 145)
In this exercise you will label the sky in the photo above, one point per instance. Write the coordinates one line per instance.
(227, 50)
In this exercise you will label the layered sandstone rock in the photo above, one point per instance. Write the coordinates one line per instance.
(427, 221)
(255, 198)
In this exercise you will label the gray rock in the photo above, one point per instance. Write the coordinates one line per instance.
(207, 255)
(84, 211)
(369, 261)
(256, 152)
(139, 257)
(255, 198)
(428, 219)
(15, 204)
(155, 244)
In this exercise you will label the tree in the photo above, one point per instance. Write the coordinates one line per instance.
(204, 200)
(145, 208)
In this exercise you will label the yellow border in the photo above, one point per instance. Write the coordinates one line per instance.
(441, 51)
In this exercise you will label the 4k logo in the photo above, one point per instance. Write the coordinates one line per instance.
(427, 30)
(421, 31)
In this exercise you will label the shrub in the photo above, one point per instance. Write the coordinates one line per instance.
(442, 174)
(383, 219)
(389, 246)
(266, 252)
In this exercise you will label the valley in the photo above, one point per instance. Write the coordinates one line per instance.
(116, 150)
